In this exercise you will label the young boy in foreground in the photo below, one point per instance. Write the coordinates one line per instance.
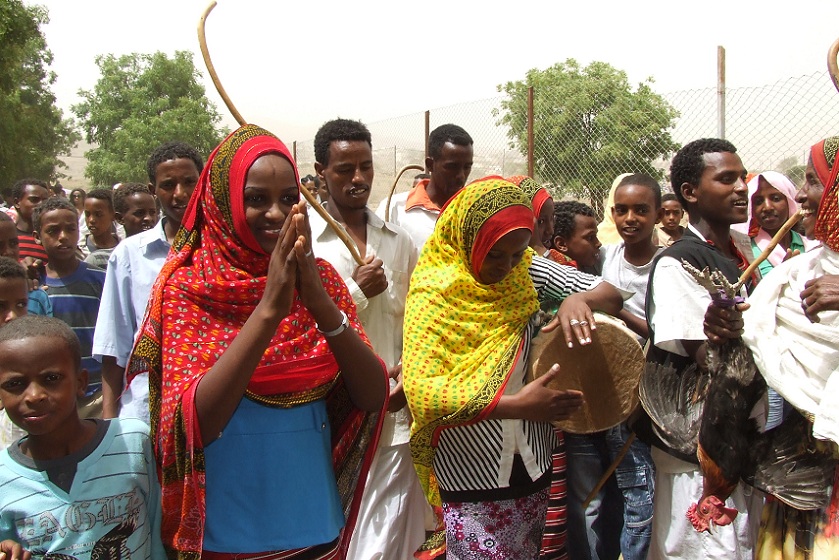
(72, 488)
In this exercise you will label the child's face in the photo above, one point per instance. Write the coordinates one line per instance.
(769, 206)
(39, 388)
(175, 179)
(14, 299)
(9, 244)
(59, 234)
(583, 245)
(270, 192)
(99, 217)
(140, 214)
(721, 196)
(671, 215)
(32, 196)
(504, 255)
(635, 214)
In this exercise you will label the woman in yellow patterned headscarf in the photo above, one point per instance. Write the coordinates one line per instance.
(481, 440)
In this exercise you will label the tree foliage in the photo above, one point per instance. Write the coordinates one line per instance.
(33, 132)
(140, 102)
(589, 126)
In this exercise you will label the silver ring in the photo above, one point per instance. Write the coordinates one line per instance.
(309, 254)
(573, 322)
(583, 322)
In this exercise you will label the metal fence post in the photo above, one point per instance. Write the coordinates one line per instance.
(530, 144)
(721, 92)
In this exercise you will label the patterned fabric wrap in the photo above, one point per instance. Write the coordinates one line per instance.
(826, 164)
(461, 336)
(213, 279)
(495, 530)
(537, 194)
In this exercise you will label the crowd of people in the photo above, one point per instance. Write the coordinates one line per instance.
(204, 367)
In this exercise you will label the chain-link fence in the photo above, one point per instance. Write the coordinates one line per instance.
(772, 127)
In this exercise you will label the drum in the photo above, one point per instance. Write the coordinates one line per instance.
(607, 371)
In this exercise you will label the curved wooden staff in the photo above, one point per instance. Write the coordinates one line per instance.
(393, 187)
(310, 198)
(833, 63)
(791, 221)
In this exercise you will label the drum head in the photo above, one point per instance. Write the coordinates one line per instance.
(607, 371)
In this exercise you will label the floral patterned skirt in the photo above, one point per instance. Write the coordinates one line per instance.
(496, 530)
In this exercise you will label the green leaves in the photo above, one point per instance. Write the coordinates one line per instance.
(140, 102)
(33, 132)
(589, 126)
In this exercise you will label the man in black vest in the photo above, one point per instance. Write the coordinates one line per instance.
(708, 178)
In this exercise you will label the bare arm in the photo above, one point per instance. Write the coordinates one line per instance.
(635, 323)
(538, 402)
(575, 314)
(111, 387)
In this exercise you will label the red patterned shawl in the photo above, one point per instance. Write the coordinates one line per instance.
(826, 165)
(212, 281)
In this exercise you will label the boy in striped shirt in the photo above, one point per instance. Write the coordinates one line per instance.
(73, 287)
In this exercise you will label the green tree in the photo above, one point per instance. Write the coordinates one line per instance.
(33, 132)
(589, 126)
(139, 102)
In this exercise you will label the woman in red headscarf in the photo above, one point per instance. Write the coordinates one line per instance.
(258, 367)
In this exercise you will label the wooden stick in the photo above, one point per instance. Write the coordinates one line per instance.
(393, 187)
(605, 478)
(310, 198)
(833, 63)
(791, 221)
(205, 52)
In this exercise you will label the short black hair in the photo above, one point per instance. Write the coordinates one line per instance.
(5, 217)
(125, 191)
(50, 204)
(20, 186)
(447, 133)
(10, 268)
(57, 188)
(688, 163)
(667, 197)
(32, 326)
(339, 130)
(565, 213)
(172, 150)
(643, 180)
(102, 193)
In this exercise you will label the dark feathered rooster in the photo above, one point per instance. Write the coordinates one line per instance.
(709, 414)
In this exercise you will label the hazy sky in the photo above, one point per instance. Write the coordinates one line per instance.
(291, 66)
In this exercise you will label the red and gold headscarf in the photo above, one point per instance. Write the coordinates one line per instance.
(826, 165)
(537, 194)
(212, 281)
(462, 337)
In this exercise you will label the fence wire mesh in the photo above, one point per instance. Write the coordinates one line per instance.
(772, 126)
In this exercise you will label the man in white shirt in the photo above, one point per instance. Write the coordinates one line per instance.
(449, 163)
(133, 266)
(708, 178)
(391, 521)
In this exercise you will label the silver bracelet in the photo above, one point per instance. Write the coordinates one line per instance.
(345, 324)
